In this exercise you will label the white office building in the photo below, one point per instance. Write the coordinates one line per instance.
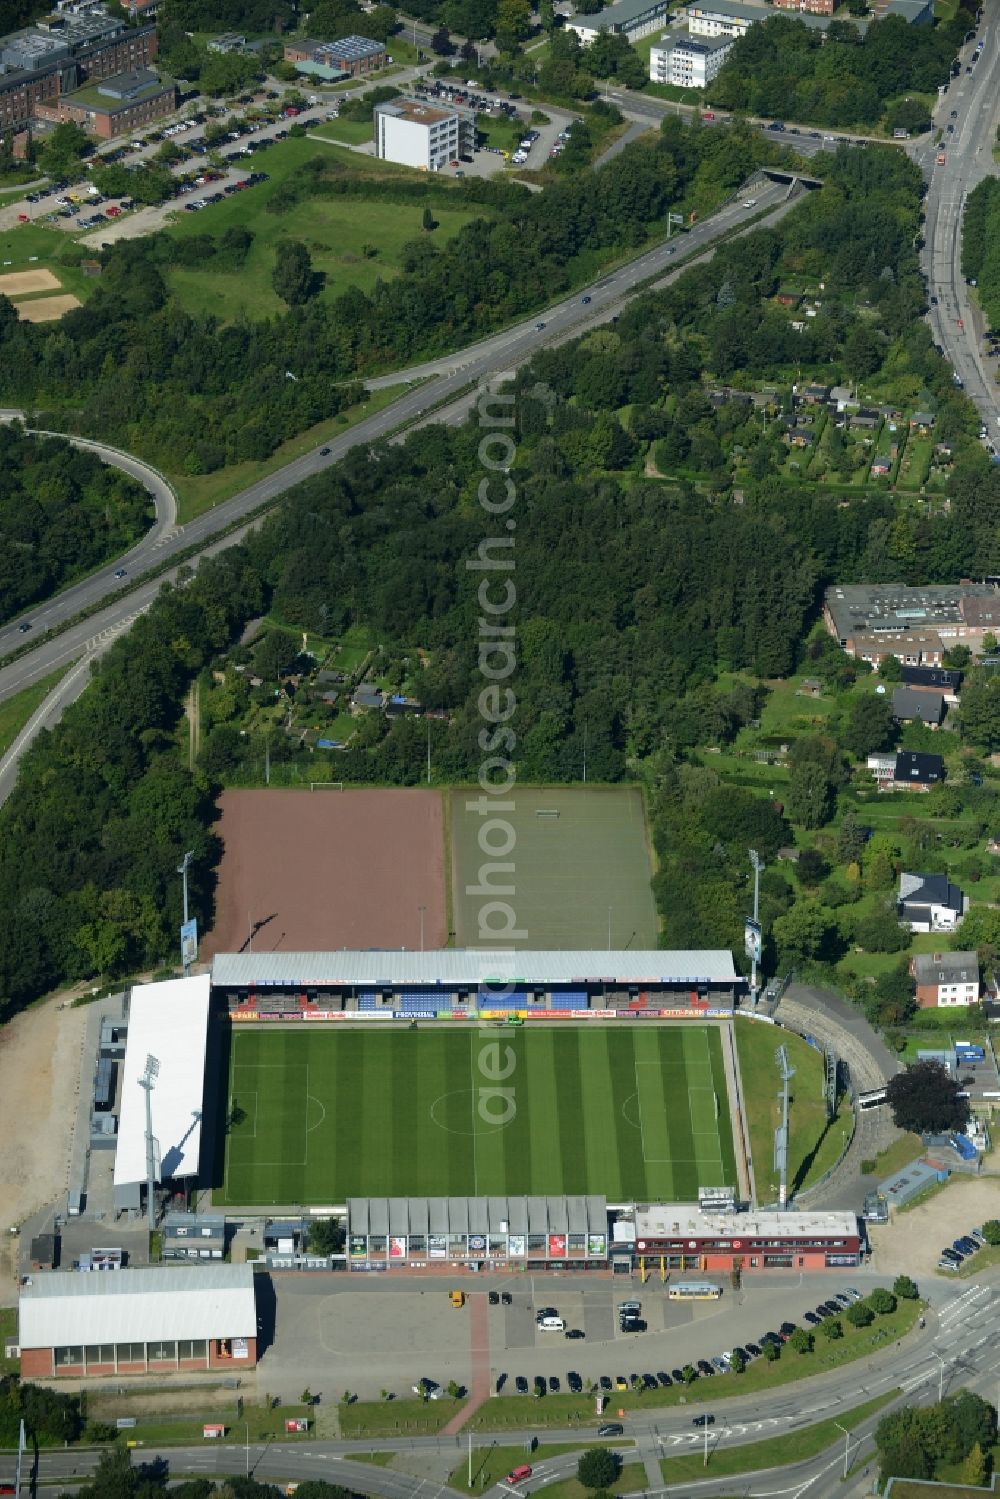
(420, 135)
(629, 18)
(687, 61)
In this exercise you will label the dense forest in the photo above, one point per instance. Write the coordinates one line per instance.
(633, 596)
(189, 394)
(62, 513)
(981, 246)
(784, 69)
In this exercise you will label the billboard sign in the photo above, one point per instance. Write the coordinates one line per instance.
(189, 942)
(752, 939)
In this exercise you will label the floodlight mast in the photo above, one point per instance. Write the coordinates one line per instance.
(147, 1082)
(781, 1133)
(182, 870)
(757, 865)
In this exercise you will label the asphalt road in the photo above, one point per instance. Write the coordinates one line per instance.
(975, 98)
(451, 373)
(958, 1347)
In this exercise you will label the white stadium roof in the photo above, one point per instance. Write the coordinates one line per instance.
(66, 1308)
(467, 967)
(168, 1021)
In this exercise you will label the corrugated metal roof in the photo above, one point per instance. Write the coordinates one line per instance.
(170, 1022)
(466, 968)
(66, 1308)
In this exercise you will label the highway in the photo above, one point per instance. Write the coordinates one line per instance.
(443, 379)
(958, 1347)
(969, 158)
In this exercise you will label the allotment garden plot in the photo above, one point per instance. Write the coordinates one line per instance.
(581, 864)
(639, 1113)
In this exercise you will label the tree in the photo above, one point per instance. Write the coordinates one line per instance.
(991, 1231)
(890, 669)
(811, 868)
(869, 725)
(326, 1236)
(293, 277)
(975, 1468)
(772, 1352)
(428, 221)
(831, 1328)
(801, 1340)
(597, 1468)
(860, 1315)
(275, 656)
(905, 1288)
(810, 796)
(924, 1099)
(808, 930)
(738, 1361)
(882, 1301)
(690, 1373)
(980, 712)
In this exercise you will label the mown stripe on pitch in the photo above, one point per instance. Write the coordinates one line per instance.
(547, 1168)
(632, 1179)
(656, 1084)
(520, 1154)
(602, 1125)
(404, 1082)
(457, 1176)
(725, 1126)
(347, 1110)
(569, 1103)
(685, 1181)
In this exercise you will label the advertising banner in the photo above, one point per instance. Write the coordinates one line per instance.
(358, 1247)
(516, 1245)
(397, 1248)
(557, 1246)
(752, 939)
(596, 1246)
(189, 942)
(437, 1247)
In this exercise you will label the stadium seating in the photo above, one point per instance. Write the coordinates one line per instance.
(501, 1000)
(367, 1001)
(575, 999)
(412, 1002)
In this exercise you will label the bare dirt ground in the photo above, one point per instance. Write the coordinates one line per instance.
(16, 283)
(39, 1086)
(911, 1243)
(312, 871)
(46, 309)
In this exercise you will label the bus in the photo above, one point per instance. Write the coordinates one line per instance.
(873, 1099)
(694, 1290)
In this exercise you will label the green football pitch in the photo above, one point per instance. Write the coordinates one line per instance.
(638, 1113)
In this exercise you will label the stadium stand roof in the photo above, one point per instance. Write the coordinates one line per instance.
(168, 1021)
(477, 1215)
(138, 1306)
(467, 968)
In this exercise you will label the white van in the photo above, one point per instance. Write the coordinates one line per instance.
(552, 1324)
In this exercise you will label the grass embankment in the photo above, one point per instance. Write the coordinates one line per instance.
(491, 1464)
(814, 1145)
(197, 494)
(264, 1424)
(8, 1334)
(15, 711)
(775, 1452)
(631, 1480)
(375, 1418)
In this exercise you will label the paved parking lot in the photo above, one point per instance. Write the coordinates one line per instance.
(408, 1330)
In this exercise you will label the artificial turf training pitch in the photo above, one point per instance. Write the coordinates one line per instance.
(638, 1113)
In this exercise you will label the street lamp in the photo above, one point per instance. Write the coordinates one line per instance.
(847, 1446)
(940, 1374)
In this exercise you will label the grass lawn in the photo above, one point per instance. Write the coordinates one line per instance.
(631, 1480)
(265, 1424)
(349, 132)
(812, 1147)
(38, 247)
(775, 1452)
(15, 711)
(373, 1418)
(8, 1334)
(788, 708)
(196, 494)
(977, 1263)
(628, 1113)
(491, 1464)
(899, 1154)
(336, 232)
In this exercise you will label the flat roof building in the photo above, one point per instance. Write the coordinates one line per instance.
(628, 18)
(913, 624)
(168, 1022)
(350, 57)
(693, 1238)
(522, 1232)
(688, 61)
(152, 1320)
(59, 53)
(425, 136)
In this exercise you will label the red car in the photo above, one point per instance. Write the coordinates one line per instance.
(708, 115)
(22, 218)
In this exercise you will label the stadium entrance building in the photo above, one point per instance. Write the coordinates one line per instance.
(460, 983)
(678, 1236)
(152, 1320)
(478, 1233)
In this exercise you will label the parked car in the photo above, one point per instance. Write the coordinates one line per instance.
(664, 1379)
(605, 1382)
(574, 1381)
(554, 1383)
(521, 1385)
(494, 1296)
(575, 1332)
